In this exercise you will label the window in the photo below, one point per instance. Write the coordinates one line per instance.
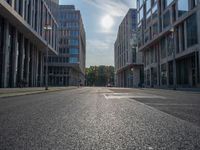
(146, 36)
(164, 74)
(155, 29)
(73, 60)
(155, 11)
(170, 44)
(192, 37)
(148, 18)
(141, 14)
(167, 3)
(73, 51)
(163, 48)
(166, 19)
(74, 42)
(183, 7)
(148, 5)
(193, 3)
(74, 33)
(140, 3)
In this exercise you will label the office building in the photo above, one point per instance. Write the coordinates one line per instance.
(54, 7)
(169, 37)
(128, 61)
(23, 41)
(68, 68)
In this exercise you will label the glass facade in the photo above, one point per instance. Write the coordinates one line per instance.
(166, 19)
(183, 7)
(192, 31)
(67, 68)
(166, 3)
(73, 60)
(73, 51)
(148, 5)
(169, 36)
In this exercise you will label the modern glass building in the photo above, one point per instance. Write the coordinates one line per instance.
(169, 37)
(68, 68)
(54, 7)
(23, 41)
(128, 61)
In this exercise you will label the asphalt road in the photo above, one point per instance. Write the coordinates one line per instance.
(101, 118)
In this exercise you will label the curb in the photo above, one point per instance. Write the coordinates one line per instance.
(33, 93)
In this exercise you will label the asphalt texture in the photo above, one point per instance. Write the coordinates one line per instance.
(101, 118)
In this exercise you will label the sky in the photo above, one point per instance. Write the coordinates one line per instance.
(101, 20)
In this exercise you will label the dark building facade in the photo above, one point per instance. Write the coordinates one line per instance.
(169, 37)
(23, 41)
(68, 68)
(54, 7)
(128, 61)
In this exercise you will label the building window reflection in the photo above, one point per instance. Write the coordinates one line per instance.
(183, 7)
(192, 37)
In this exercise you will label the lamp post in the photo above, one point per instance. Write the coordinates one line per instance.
(174, 60)
(47, 28)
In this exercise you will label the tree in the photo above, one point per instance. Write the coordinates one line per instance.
(100, 75)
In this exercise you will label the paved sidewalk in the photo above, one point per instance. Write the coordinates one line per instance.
(11, 92)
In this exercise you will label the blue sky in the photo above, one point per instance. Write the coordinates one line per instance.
(101, 20)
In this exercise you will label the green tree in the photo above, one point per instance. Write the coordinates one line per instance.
(100, 75)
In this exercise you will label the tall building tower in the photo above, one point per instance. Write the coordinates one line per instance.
(54, 7)
(68, 68)
(128, 61)
(169, 37)
(23, 41)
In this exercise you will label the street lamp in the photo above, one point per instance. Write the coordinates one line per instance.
(47, 28)
(174, 60)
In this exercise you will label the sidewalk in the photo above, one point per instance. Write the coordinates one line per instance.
(11, 92)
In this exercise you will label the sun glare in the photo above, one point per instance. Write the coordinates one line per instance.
(107, 22)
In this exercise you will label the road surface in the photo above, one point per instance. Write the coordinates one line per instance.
(101, 118)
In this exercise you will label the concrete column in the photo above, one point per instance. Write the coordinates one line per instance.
(27, 60)
(5, 53)
(21, 59)
(167, 67)
(151, 84)
(14, 59)
(31, 66)
(198, 24)
(37, 68)
(199, 67)
(41, 68)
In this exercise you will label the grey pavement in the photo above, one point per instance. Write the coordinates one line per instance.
(10, 92)
(101, 118)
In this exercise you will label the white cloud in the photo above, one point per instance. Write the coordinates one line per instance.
(100, 48)
(100, 51)
(115, 8)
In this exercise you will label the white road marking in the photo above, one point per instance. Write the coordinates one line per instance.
(130, 95)
(150, 148)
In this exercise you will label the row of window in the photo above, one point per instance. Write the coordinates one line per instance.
(58, 70)
(167, 45)
(65, 24)
(69, 42)
(68, 16)
(72, 51)
(150, 12)
(63, 59)
(34, 18)
(72, 33)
